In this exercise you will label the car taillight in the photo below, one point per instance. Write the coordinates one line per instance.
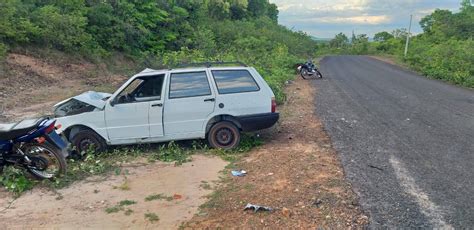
(274, 105)
(50, 128)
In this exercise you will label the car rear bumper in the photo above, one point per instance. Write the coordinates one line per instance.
(256, 122)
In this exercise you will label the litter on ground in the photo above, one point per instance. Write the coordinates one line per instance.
(239, 173)
(257, 208)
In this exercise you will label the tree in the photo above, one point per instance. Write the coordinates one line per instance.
(257, 8)
(219, 9)
(466, 4)
(464, 21)
(438, 20)
(272, 12)
(360, 45)
(382, 36)
(261, 8)
(339, 41)
(400, 33)
(15, 25)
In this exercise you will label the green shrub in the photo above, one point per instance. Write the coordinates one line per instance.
(170, 153)
(450, 60)
(15, 180)
(3, 50)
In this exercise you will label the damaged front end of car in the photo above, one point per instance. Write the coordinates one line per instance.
(83, 103)
(78, 112)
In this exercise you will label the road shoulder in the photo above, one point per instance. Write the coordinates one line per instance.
(297, 173)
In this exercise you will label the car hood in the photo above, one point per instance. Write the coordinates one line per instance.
(93, 98)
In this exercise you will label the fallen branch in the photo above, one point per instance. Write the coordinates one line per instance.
(375, 167)
(8, 207)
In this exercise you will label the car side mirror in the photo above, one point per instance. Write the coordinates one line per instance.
(113, 102)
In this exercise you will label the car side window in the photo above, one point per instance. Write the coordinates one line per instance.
(142, 89)
(189, 84)
(234, 81)
(151, 87)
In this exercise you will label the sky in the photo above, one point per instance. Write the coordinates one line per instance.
(326, 18)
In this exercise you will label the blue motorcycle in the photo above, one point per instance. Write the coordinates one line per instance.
(309, 69)
(35, 146)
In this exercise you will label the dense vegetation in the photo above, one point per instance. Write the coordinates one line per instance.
(158, 32)
(445, 49)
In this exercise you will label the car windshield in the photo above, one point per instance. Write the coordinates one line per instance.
(132, 86)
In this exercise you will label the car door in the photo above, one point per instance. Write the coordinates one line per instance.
(129, 116)
(190, 101)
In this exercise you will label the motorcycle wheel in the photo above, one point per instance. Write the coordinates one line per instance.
(304, 73)
(319, 74)
(49, 159)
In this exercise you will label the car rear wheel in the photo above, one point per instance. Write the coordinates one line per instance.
(88, 140)
(224, 135)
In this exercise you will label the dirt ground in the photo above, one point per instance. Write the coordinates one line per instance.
(30, 86)
(84, 204)
(297, 173)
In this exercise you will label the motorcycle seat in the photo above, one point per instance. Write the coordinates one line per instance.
(14, 130)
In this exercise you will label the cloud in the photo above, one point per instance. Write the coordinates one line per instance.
(325, 18)
(371, 20)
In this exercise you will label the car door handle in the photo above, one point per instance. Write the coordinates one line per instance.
(210, 99)
(155, 105)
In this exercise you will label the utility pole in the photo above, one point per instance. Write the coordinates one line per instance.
(408, 36)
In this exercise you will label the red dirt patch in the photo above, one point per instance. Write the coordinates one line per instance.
(298, 173)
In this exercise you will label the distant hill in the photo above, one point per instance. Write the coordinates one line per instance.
(320, 39)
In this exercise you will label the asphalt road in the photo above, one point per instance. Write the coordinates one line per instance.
(406, 142)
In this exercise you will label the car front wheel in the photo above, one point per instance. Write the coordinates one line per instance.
(88, 140)
(224, 135)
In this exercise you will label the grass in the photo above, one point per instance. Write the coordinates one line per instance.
(152, 217)
(126, 202)
(113, 209)
(17, 181)
(205, 185)
(128, 212)
(247, 143)
(171, 153)
(158, 197)
(124, 186)
(120, 207)
(249, 187)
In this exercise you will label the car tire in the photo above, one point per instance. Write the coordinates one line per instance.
(224, 135)
(85, 138)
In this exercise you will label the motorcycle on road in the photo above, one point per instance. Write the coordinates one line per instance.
(309, 69)
(34, 146)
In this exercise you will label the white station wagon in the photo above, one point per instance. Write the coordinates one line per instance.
(217, 103)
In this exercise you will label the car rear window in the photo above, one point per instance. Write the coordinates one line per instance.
(234, 81)
(190, 84)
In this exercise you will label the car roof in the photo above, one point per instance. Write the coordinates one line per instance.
(148, 71)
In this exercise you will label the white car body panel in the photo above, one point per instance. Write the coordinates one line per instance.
(127, 121)
(188, 115)
(91, 97)
(238, 104)
(175, 119)
(93, 120)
